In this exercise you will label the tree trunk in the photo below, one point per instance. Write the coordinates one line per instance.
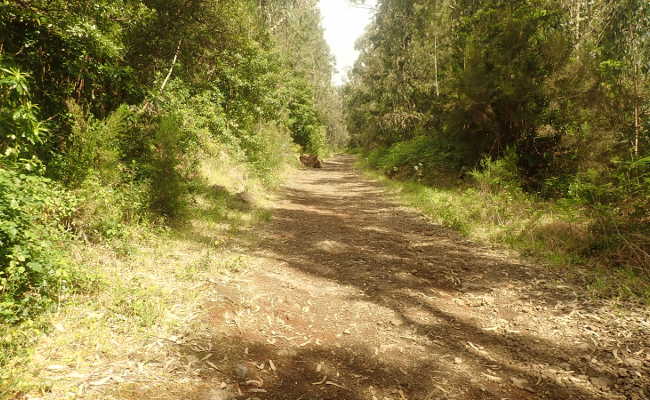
(435, 60)
(637, 122)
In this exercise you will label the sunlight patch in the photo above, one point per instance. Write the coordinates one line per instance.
(332, 246)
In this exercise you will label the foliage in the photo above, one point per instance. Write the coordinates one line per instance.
(33, 270)
(499, 175)
(92, 148)
(168, 185)
(418, 157)
(21, 130)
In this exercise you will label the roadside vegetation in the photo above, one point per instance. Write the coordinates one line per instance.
(137, 139)
(517, 122)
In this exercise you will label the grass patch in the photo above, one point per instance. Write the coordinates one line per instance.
(144, 290)
(557, 233)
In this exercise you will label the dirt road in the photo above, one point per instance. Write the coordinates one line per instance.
(355, 297)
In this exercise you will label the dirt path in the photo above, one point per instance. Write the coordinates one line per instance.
(355, 297)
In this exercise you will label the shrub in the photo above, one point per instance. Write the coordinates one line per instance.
(168, 168)
(376, 156)
(274, 150)
(20, 128)
(93, 147)
(500, 174)
(104, 210)
(421, 157)
(32, 268)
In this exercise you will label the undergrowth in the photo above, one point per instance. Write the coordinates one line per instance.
(141, 282)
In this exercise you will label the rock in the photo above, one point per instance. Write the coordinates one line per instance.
(287, 353)
(241, 371)
(458, 360)
(245, 197)
(310, 161)
(601, 382)
(521, 383)
(245, 200)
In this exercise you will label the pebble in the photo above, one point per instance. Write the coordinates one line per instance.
(521, 384)
(601, 382)
(287, 353)
(241, 371)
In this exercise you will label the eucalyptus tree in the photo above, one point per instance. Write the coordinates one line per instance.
(564, 83)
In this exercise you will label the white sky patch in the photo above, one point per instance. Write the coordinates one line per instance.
(344, 23)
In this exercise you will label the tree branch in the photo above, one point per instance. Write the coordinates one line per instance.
(171, 67)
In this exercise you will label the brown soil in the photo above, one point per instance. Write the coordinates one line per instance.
(356, 297)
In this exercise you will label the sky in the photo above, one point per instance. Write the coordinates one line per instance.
(344, 24)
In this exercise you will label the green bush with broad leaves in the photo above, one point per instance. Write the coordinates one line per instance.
(33, 270)
(33, 209)
(20, 128)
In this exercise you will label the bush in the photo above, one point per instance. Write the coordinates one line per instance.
(168, 168)
(93, 147)
(32, 269)
(20, 128)
(376, 156)
(274, 150)
(501, 174)
(104, 210)
(420, 157)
